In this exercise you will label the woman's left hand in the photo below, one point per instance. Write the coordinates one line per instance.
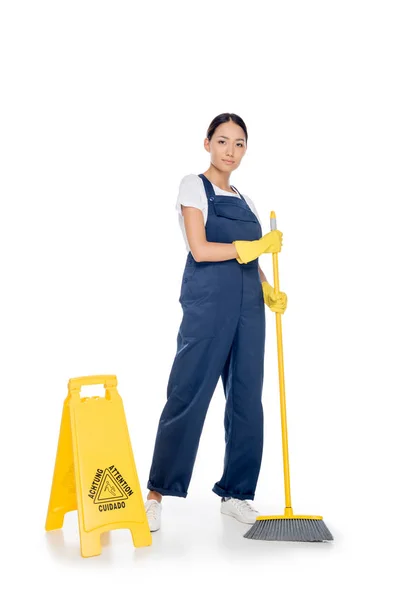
(276, 301)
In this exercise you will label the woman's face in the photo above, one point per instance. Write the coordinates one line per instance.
(227, 146)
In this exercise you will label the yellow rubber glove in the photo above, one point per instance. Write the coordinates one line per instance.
(277, 302)
(248, 251)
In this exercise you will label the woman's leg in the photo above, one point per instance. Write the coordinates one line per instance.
(154, 496)
(242, 379)
(194, 376)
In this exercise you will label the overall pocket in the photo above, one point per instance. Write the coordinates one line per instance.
(234, 211)
(199, 299)
(188, 274)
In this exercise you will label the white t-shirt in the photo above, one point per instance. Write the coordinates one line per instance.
(192, 193)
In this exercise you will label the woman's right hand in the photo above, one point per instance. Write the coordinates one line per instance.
(272, 241)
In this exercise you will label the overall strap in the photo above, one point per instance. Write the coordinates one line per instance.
(236, 190)
(208, 186)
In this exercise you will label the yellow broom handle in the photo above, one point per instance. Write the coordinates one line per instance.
(288, 502)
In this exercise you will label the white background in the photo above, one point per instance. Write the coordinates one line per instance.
(104, 108)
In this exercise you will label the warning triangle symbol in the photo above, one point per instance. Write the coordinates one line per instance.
(109, 489)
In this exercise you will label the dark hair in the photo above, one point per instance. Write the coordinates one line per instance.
(224, 118)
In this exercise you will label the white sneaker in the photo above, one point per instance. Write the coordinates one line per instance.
(240, 509)
(153, 513)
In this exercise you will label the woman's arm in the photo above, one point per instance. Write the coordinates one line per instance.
(201, 249)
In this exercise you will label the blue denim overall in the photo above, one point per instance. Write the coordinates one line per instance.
(222, 333)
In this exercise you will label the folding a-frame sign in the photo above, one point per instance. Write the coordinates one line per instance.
(95, 470)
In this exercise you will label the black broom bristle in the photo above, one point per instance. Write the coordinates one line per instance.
(289, 530)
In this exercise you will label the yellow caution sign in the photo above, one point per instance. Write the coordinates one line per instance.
(95, 472)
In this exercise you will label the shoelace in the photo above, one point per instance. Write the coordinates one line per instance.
(241, 504)
(152, 510)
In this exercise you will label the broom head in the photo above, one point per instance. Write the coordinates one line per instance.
(300, 528)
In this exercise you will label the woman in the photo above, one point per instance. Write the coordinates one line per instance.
(222, 332)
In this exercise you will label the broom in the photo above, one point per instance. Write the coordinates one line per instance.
(287, 527)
